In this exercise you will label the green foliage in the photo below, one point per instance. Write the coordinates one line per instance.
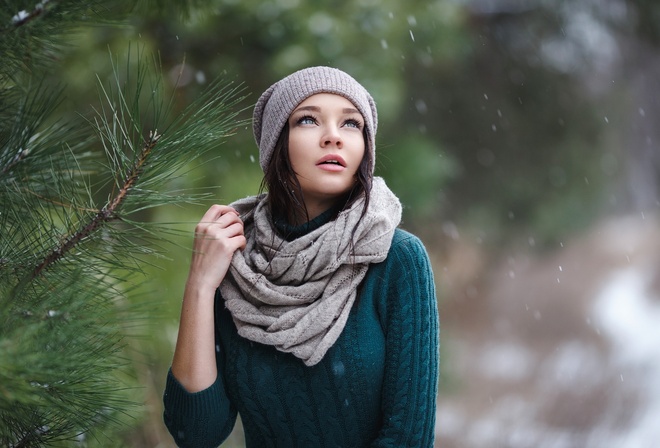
(417, 169)
(34, 37)
(521, 135)
(73, 192)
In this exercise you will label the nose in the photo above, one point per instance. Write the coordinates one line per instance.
(331, 138)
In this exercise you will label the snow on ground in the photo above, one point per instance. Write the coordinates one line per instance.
(630, 317)
(533, 361)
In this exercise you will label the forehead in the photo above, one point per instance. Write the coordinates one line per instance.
(327, 101)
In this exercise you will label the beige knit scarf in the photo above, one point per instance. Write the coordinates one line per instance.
(297, 295)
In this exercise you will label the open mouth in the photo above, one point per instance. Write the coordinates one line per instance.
(332, 160)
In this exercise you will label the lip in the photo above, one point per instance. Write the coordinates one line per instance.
(335, 157)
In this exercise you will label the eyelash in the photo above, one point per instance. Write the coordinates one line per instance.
(353, 121)
(306, 117)
(357, 123)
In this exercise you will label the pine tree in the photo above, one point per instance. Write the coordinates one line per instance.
(72, 191)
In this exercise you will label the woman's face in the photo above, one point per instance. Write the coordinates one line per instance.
(326, 146)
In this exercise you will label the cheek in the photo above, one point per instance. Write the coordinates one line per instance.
(361, 153)
(358, 161)
(295, 152)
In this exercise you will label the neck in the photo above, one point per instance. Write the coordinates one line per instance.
(311, 210)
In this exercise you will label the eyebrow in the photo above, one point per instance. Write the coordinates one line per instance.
(346, 110)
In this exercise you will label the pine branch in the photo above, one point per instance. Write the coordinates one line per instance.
(22, 154)
(106, 214)
(69, 252)
(23, 17)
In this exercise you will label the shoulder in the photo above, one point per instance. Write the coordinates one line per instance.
(406, 259)
(406, 248)
(402, 287)
(402, 236)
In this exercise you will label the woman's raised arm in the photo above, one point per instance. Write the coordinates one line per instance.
(217, 236)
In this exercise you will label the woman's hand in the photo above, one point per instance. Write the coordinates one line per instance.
(217, 236)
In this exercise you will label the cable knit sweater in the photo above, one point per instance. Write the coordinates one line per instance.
(375, 387)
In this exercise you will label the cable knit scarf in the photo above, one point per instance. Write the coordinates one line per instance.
(297, 295)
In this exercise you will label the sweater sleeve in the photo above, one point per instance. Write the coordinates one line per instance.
(201, 419)
(412, 342)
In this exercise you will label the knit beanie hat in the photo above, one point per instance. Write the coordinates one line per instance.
(276, 104)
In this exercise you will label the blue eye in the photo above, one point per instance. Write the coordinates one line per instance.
(307, 119)
(353, 123)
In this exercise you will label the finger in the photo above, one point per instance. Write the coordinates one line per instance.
(216, 211)
(235, 229)
(243, 242)
(227, 220)
(227, 210)
(211, 214)
(238, 242)
(226, 227)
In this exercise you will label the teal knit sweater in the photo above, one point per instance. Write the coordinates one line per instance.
(376, 387)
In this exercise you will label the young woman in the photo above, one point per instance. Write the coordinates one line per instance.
(307, 310)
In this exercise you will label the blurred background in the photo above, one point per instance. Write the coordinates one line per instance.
(522, 138)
